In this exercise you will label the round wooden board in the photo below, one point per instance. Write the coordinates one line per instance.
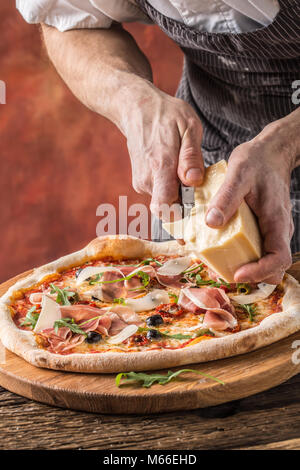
(243, 375)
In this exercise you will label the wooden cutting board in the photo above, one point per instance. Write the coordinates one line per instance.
(243, 375)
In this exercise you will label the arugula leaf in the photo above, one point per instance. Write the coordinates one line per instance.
(173, 296)
(191, 269)
(224, 283)
(210, 282)
(251, 310)
(119, 300)
(193, 274)
(145, 278)
(63, 295)
(147, 380)
(148, 261)
(204, 331)
(90, 319)
(69, 323)
(176, 336)
(31, 318)
(136, 289)
(142, 330)
(95, 279)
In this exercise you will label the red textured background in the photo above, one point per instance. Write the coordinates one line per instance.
(59, 161)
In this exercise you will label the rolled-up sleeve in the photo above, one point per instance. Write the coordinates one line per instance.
(63, 14)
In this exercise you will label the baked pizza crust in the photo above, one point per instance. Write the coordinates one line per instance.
(271, 329)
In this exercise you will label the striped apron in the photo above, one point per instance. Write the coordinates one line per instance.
(238, 83)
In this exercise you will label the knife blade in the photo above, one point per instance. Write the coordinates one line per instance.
(187, 195)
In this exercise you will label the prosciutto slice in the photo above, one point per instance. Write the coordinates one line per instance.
(170, 281)
(134, 286)
(114, 290)
(166, 280)
(109, 322)
(80, 312)
(62, 341)
(213, 275)
(120, 318)
(213, 302)
(219, 320)
(36, 298)
(126, 314)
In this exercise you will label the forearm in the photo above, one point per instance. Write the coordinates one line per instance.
(292, 122)
(105, 69)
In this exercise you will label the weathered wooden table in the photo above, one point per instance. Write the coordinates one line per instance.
(269, 420)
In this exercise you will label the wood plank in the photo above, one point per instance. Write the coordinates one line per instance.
(259, 421)
(292, 444)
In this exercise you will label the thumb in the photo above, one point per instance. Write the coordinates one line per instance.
(190, 162)
(227, 200)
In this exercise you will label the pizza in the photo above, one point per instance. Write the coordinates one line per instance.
(123, 303)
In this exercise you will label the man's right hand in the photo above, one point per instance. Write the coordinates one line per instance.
(164, 142)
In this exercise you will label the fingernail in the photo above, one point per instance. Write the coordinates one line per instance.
(194, 175)
(214, 217)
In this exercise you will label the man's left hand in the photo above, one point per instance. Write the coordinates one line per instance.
(259, 171)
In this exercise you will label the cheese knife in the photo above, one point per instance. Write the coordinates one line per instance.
(187, 196)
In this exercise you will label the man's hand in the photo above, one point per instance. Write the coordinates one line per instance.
(259, 171)
(164, 142)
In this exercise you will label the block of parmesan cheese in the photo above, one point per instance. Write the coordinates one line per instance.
(226, 249)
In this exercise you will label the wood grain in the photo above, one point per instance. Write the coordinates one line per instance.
(265, 420)
(243, 375)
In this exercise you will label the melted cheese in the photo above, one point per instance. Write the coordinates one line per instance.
(226, 249)
(148, 301)
(93, 270)
(176, 266)
(124, 334)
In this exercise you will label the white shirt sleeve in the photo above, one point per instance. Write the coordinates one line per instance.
(75, 14)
